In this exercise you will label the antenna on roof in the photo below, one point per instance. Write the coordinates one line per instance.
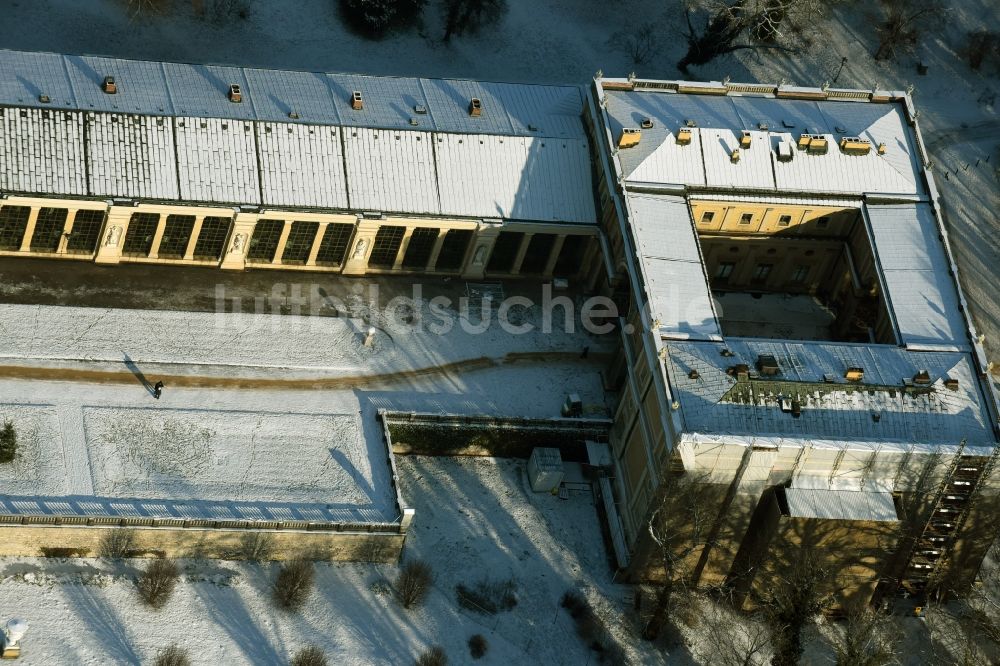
(826, 86)
(600, 74)
(726, 79)
(631, 76)
(909, 89)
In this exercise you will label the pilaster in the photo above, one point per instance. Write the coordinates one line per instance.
(29, 230)
(483, 242)
(235, 256)
(109, 248)
(356, 262)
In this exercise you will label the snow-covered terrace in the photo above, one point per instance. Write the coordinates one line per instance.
(247, 458)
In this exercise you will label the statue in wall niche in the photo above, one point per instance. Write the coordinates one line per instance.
(359, 249)
(480, 256)
(114, 235)
(238, 241)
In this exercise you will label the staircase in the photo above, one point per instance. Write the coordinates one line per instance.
(954, 498)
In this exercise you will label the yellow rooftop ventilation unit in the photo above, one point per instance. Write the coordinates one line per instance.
(684, 136)
(852, 145)
(854, 374)
(745, 140)
(814, 143)
(881, 149)
(734, 156)
(629, 137)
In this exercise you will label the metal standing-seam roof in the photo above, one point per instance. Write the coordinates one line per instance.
(680, 298)
(716, 122)
(832, 407)
(840, 504)
(526, 156)
(917, 276)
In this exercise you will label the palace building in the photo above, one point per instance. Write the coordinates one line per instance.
(792, 330)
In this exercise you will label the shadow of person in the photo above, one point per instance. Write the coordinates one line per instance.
(134, 369)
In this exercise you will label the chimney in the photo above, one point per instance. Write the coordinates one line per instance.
(745, 139)
(951, 384)
(235, 94)
(767, 365)
(629, 137)
(647, 123)
(109, 85)
(740, 371)
(683, 136)
(475, 107)
(854, 374)
(356, 102)
(922, 378)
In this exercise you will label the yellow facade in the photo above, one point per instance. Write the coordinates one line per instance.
(234, 239)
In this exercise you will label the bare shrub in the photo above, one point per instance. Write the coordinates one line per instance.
(8, 442)
(221, 11)
(982, 45)
(591, 629)
(117, 543)
(293, 584)
(309, 656)
(575, 603)
(469, 16)
(157, 582)
(488, 597)
(414, 582)
(433, 656)
(871, 639)
(172, 656)
(256, 546)
(478, 645)
(376, 18)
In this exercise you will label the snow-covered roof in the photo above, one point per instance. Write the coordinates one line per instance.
(885, 405)
(667, 244)
(168, 89)
(717, 122)
(170, 132)
(918, 281)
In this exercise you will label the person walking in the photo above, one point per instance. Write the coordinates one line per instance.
(157, 389)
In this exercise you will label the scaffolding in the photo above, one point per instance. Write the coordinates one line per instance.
(953, 499)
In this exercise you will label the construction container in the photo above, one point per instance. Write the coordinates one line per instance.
(545, 469)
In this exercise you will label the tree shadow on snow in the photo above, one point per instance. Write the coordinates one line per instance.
(102, 620)
(229, 611)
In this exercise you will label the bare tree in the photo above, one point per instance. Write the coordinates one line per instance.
(640, 45)
(685, 514)
(871, 639)
(793, 597)
(139, 8)
(468, 16)
(903, 23)
(736, 639)
(733, 25)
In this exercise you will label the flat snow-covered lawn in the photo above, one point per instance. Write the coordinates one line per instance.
(476, 519)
